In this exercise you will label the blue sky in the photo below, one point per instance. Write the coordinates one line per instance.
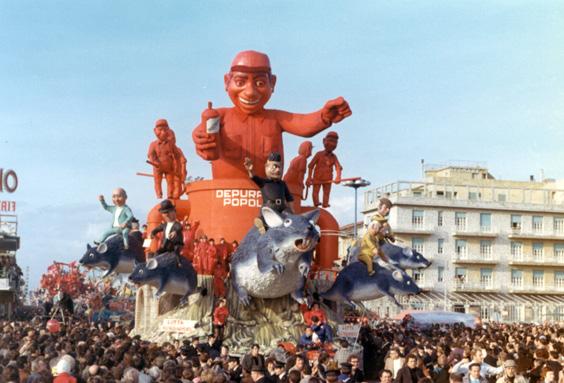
(82, 82)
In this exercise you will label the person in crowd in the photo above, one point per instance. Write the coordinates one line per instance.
(474, 374)
(409, 373)
(394, 362)
(509, 373)
(253, 358)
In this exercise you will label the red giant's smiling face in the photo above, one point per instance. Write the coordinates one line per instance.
(249, 91)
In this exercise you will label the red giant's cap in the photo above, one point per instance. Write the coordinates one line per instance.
(251, 61)
(161, 122)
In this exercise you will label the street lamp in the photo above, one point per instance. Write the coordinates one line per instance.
(355, 184)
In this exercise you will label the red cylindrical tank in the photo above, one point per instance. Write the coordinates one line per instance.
(226, 208)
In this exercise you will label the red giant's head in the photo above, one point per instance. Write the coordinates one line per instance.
(250, 82)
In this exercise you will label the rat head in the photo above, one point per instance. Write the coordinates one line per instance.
(273, 166)
(146, 273)
(291, 234)
(305, 149)
(402, 283)
(412, 259)
(168, 211)
(161, 129)
(119, 196)
(330, 141)
(96, 257)
(250, 82)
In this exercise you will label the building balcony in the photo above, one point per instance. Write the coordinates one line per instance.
(465, 257)
(532, 289)
(414, 229)
(485, 232)
(530, 260)
(536, 235)
(475, 286)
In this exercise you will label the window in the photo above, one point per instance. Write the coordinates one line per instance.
(441, 274)
(460, 275)
(418, 276)
(538, 278)
(515, 222)
(559, 279)
(516, 278)
(440, 218)
(486, 277)
(501, 197)
(460, 221)
(538, 251)
(440, 245)
(474, 196)
(559, 225)
(486, 249)
(417, 244)
(559, 252)
(517, 250)
(537, 223)
(461, 248)
(485, 222)
(417, 218)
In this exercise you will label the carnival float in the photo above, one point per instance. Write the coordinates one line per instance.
(275, 254)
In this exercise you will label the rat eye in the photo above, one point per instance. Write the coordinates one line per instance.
(287, 222)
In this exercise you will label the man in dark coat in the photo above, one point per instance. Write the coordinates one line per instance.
(172, 240)
(409, 373)
(253, 359)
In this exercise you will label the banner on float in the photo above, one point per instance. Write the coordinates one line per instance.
(183, 326)
(348, 330)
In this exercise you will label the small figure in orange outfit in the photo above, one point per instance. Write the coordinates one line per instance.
(250, 130)
(219, 275)
(220, 315)
(211, 257)
(180, 162)
(223, 253)
(200, 255)
(162, 157)
(320, 172)
(296, 172)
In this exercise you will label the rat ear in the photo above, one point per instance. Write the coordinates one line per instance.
(312, 216)
(271, 217)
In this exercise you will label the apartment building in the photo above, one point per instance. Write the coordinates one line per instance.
(497, 246)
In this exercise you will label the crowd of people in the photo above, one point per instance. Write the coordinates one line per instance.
(83, 351)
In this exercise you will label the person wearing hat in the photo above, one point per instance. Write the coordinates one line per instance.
(250, 130)
(275, 192)
(370, 246)
(382, 212)
(234, 369)
(122, 216)
(320, 170)
(172, 240)
(258, 374)
(509, 373)
(279, 372)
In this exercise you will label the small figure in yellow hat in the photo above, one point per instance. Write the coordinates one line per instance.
(370, 244)
(384, 207)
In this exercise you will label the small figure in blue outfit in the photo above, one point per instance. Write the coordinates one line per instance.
(122, 216)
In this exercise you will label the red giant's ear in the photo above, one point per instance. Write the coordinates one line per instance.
(272, 81)
(226, 79)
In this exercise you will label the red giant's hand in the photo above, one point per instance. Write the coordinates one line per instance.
(335, 110)
(205, 143)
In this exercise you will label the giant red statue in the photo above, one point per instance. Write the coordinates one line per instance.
(167, 160)
(296, 172)
(320, 173)
(250, 130)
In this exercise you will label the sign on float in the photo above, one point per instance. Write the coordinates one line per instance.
(8, 180)
(239, 197)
